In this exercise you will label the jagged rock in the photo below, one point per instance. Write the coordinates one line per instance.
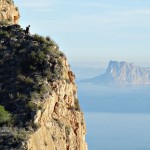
(9, 13)
(128, 73)
(122, 73)
(38, 89)
(61, 128)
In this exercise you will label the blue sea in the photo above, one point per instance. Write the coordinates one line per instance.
(117, 118)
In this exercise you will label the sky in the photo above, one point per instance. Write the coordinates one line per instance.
(92, 32)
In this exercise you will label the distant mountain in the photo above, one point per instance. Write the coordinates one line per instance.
(122, 73)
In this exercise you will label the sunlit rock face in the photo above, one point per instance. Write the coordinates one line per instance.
(9, 13)
(128, 73)
(62, 125)
(38, 89)
(122, 73)
(48, 116)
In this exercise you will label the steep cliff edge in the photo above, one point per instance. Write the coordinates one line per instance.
(40, 109)
(9, 13)
(61, 122)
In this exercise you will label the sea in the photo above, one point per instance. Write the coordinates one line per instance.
(117, 117)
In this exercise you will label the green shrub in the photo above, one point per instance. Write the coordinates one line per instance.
(5, 116)
(32, 106)
(20, 96)
(19, 133)
(35, 95)
(27, 64)
(36, 58)
(39, 38)
(48, 38)
(26, 80)
(3, 33)
(48, 74)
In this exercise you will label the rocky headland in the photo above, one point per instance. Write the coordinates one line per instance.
(39, 108)
(122, 73)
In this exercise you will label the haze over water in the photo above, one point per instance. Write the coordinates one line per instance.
(96, 31)
(117, 118)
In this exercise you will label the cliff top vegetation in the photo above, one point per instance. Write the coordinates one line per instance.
(27, 64)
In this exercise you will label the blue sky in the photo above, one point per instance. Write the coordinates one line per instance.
(93, 31)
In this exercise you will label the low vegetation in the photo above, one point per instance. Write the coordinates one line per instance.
(27, 64)
(5, 116)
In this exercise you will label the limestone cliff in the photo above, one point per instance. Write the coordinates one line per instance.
(39, 109)
(9, 13)
(61, 122)
(39, 106)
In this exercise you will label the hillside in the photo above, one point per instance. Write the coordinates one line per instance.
(39, 108)
(38, 91)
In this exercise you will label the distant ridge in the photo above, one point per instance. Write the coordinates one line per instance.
(122, 73)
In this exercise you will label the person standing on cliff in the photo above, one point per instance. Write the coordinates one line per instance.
(27, 30)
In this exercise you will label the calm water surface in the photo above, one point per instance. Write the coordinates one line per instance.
(118, 131)
(117, 118)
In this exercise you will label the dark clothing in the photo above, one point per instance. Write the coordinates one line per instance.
(27, 30)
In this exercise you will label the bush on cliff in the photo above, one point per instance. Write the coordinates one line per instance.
(28, 66)
(27, 62)
(5, 116)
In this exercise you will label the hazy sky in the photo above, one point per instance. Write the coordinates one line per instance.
(93, 31)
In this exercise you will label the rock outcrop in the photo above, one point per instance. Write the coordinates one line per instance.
(39, 91)
(123, 73)
(39, 109)
(61, 122)
(128, 73)
(9, 13)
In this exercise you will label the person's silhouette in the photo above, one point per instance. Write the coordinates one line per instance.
(27, 30)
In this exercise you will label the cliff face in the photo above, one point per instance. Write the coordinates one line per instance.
(39, 109)
(61, 122)
(9, 13)
(39, 95)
